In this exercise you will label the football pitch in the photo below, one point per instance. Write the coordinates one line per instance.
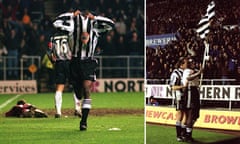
(115, 118)
(165, 134)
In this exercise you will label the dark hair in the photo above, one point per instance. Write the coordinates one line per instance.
(85, 11)
(21, 102)
(180, 62)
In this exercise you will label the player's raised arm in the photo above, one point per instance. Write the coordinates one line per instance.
(102, 24)
(65, 22)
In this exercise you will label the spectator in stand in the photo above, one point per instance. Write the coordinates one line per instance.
(41, 46)
(108, 46)
(233, 63)
(121, 47)
(26, 19)
(13, 46)
(120, 26)
(9, 8)
(134, 45)
(153, 101)
(32, 39)
(46, 27)
(3, 51)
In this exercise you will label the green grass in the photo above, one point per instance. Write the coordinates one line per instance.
(66, 130)
(133, 100)
(167, 135)
(5, 97)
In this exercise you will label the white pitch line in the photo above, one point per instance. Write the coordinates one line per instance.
(8, 101)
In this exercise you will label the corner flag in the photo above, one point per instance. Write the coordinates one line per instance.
(204, 23)
(204, 28)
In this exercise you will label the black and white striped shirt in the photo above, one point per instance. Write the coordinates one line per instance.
(176, 77)
(61, 47)
(79, 24)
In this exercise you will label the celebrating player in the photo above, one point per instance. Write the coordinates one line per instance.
(177, 87)
(191, 82)
(85, 29)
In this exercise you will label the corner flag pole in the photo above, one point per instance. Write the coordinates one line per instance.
(205, 57)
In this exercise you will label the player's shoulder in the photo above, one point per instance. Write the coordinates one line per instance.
(60, 34)
(177, 71)
(174, 73)
(187, 71)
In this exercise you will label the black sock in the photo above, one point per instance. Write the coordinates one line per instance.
(183, 130)
(84, 116)
(178, 128)
(86, 106)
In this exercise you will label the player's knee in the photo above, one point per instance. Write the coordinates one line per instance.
(87, 92)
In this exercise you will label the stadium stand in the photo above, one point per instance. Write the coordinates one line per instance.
(181, 17)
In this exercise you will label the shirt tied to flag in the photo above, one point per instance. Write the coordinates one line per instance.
(204, 23)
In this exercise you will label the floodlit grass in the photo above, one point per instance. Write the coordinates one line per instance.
(132, 100)
(167, 135)
(5, 97)
(66, 130)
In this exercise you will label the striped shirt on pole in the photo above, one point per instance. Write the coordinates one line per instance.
(204, 24)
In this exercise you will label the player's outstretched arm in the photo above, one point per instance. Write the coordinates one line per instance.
(65, 22)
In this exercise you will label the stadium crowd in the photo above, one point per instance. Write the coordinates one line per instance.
(22, 33)
(181, 18)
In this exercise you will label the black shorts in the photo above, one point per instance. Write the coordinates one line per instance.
(193, 101)
(192, 97)
(180, 104)
(179, 100)
(62, 71)
(81, 70)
